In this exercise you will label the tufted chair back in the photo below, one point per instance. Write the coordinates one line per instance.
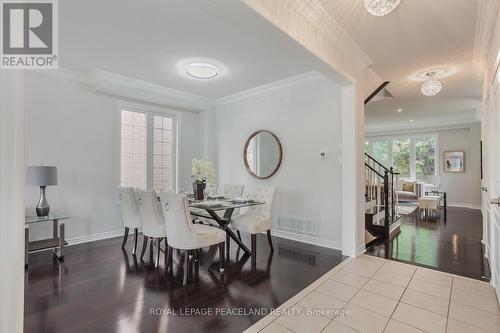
(180, 230)
(129, 207)
(265, 194)
(233, 190)
(153, 224)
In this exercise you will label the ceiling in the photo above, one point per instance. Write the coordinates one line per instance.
(418, 36)
(153, 40)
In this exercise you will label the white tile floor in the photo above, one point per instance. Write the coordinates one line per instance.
(369, 294)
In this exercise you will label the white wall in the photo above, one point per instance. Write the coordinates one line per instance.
(75, 128)
(462, 188)
(306, 118)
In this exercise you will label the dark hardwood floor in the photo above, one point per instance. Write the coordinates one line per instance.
(98, 288)
(452, 246)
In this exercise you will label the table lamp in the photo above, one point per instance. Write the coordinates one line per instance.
(42, 176)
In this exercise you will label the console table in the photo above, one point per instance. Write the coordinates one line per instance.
(57, 242)
(442, 196)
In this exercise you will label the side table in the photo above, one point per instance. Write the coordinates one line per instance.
(57, 242)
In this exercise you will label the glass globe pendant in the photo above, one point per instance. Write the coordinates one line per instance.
(431, 85)
(381, 7)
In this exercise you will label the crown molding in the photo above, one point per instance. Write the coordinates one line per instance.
(485, 24)
(124, 86)
(127, 87)
(303, 20)
(428, 126)
(314, 12)
(66, 74)
(270, 87)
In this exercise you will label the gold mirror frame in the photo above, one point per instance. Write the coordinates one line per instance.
(280, 157)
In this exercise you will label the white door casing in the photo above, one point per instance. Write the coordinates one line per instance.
(492, 210)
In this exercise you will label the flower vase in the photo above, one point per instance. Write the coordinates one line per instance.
(199, 190)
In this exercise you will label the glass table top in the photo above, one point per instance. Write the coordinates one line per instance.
(37, 219)
(223, 204)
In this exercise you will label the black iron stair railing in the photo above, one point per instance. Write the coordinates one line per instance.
(381, 196)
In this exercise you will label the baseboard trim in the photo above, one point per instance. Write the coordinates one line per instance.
(307, 239)
(361, 250)
(94, 237)
(463, 205)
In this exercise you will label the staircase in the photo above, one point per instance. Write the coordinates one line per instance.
(381, 207)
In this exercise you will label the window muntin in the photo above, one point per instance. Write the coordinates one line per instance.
(133, 149)
(147, 149)
(162, 153)
(414, 157)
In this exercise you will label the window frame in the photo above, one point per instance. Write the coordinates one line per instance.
(150, 112)
(413, 157)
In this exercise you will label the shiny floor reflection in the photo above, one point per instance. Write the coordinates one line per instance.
(100, 288)
(452, 246)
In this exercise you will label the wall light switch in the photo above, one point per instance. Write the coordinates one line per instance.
(323, 154)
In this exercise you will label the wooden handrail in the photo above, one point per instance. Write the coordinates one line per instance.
(373, 94)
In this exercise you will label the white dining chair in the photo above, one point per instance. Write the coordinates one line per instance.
(131, 218)
(153, 225)
(259, 218)
(184, 235)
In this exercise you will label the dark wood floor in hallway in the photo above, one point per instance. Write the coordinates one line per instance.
(99, 288)
(452, 246)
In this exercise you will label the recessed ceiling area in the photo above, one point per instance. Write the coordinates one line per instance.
(417, 37)
(154, 41)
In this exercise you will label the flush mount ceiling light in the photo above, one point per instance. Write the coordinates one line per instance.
(431, 85)
(202, 70)
(381, 7)
(400, 110)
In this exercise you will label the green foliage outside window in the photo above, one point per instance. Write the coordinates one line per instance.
(425, 153)
(401, 157)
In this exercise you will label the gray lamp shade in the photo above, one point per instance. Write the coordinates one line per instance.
(41, 175)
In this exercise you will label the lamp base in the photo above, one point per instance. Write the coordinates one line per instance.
(42, 208)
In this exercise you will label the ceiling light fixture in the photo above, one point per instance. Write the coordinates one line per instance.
(202, 70)
(400, 110)
(381, 7)
(411, 120)
(431, 85)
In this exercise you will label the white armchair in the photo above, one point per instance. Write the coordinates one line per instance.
(184, 235)
(257, 219)
(130, 213)
(153, 225)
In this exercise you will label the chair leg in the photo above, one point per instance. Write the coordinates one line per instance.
(221, 257)
(228, 244)
(144, 246)
(125, 237)
(270, 240)
(253, 238)
(157, 264)
(186, 268)
(239, 235)
(135, 240)
(168, 255)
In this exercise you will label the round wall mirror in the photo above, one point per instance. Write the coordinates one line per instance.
(262, 154)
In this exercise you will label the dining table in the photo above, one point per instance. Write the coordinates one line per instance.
(221, 209)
